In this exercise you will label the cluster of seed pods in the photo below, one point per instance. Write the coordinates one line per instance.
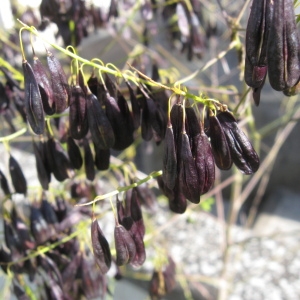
(272, 46)
(64, 271)
(190, 154)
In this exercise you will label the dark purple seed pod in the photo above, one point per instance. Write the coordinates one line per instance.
(102, 158)
(48, 212)
(204, 160)
(93, 84)
(169, 159)
(78, 120)
(33, 101)
(60, 208)
(242, 152)
(147, 197)
(59, 81)
(38, 226)
(43, 174)
(44, 85)
(219, 145)
(283, 47)
(101, 248)
(136, 211)
(140, 255)
(177, 122)
(5, 258)
(188, 176)
(17, 176)
(135, 107)
(88, 161)
(100, 127)
(125, 246)
(80, 80)
(257, 36)
(120, 210)
(61, 166)
(74, 153)
(113, 10)
(4, 184)
(11, 238)
(110, 85)
(69, 272)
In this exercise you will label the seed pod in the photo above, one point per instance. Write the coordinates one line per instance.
(283, 47)
(17, 176)
(74, 153)
(136, 211)
(48, 212)
(4, 184)
(192, 126)
(257, 36)
(157, 287)
(43, 174)
(93, 84)
(147, 197)
(241, 150)
(60, 164)
(219, 144)
(204, 161)
(60, 86)
(110, 85)
(78, 120)
(88, 161)
(44, 86)
(33, 101)
(102, 158)
(188, 176)
(38, 226)
(61, 208)
(5, 258)
(135, 107)
(100, 248)
(177, 122)
(101, 130)
(125, 246)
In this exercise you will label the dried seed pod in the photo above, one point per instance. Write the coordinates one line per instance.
(204, 161)
(17, 176)
(220, 148)
(188, 176)
(136, 211)
(11, 238)
(88, 161)
(74, 153)
(100, 247)
(110, 85)
(102, 158)
(125, 246)
(60, 86)
(242, 152)
(120, 210)
(43, 175)
(5, 258)
(169, 159)
(60, 209)
(44, 85)
(177, 122)
(4, 184)
(38, 226)
(257, 36)
(69, 272)
(283, 47)
(147, 197)
(33, 101)
(100, 127)
(48, 212)
(60, 164)
(78, 120)
(93, 84)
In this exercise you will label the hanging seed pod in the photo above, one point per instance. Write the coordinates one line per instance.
(60, 86)
(4, 184)
(188, 176)
(69, 272)
(283, 47)
(110, 85)
(74, 153)
(177, 122)
(80, 79)
(88, 161)
(220, 148)
(17, 176)
(257, 36)
(61, 208)
(120, 210)
(48, 212)
(102, 158)
(125, 246)
(33, 101)
(135, 107)
(22, 231)
(78, 120)
(100, 127)
(157, 287)
(43, 174)
(147, 197)
(44, 86)
(93, 84)
(100, 248)
(204, 160)
(60, 164)
(192, 125)
(136, 211)
(241, 150)
(11, 238)
(38, 226)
